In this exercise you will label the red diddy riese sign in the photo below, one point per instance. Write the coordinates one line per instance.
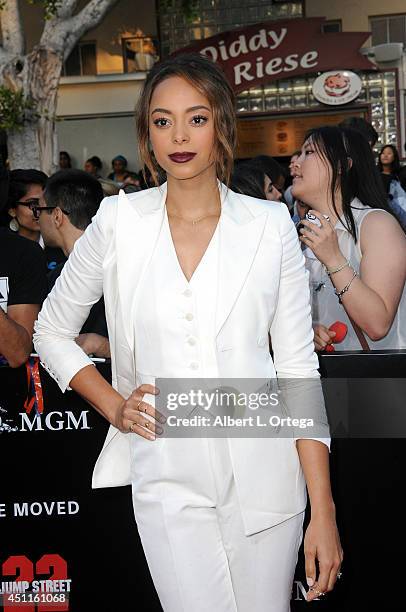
(275, 50)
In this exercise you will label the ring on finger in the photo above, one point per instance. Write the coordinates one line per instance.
(339, 574)
(140, 409)
(131, 427)
(318, 593)
(315, 589)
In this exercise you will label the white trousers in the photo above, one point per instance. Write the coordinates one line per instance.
(197, 553)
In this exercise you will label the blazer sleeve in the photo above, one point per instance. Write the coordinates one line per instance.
(67, 307)
(292, 335)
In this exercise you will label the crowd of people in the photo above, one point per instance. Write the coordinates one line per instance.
(120, 177)
(41, 220)
(374, 312)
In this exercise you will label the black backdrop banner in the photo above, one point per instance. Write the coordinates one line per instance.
(64, 546)
(53, 526)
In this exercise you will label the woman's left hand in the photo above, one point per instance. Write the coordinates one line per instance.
(321, 240)
(322, 542)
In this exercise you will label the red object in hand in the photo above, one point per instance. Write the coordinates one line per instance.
(329, 348)
(340, 329)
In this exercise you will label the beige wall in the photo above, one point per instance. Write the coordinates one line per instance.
(102, 136)
(85, 97)
(98, 118)
(126, 18)
(354, 14)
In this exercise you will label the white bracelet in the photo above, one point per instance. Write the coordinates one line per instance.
(330, 272)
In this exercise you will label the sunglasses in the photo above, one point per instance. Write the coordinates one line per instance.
(37, 210)
(30, 203)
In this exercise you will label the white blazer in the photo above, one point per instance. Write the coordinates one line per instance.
(260, 252)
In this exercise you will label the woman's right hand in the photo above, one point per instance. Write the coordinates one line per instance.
(136, 416)
(322, 337)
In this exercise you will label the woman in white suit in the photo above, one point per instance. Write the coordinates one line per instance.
(194, 277)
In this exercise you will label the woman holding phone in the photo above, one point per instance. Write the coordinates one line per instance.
(355, 247)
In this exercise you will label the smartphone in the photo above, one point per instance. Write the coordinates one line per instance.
(313, 219)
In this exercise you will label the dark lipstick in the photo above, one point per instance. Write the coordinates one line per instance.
(181, 158)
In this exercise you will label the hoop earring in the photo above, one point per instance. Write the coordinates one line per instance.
(14, 225)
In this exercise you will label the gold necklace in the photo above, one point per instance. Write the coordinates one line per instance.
(194, 221)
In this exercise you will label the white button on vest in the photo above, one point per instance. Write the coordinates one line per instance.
(187, 293)
(189, 316)
(194, 365)
(191, 341)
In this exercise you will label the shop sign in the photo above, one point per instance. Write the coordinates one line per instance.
(337, 87)
(282, 49)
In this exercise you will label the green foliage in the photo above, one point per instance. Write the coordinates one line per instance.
(188, 8)
(14, 107)
(50, 6)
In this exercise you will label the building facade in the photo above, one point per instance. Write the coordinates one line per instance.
(178, 28)
(362, 15)
(386, 21)
(286, 105)
(274, 67)
(104, 75)
(101, 81)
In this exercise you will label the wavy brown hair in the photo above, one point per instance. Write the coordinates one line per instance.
(208, 78)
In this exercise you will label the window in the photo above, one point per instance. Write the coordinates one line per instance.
(82, 60)
(139, 53)
(378, 90)
(331, 26)
(209, 17)
(388, 29)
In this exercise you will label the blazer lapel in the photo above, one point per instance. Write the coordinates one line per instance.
(240, 236)
(138, 225)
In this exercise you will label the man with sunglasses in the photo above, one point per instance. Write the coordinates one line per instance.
(70, 200)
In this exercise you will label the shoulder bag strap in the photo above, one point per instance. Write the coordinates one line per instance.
(360, 335)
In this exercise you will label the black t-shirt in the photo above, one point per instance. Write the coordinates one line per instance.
(54, 257)
(22, 271)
